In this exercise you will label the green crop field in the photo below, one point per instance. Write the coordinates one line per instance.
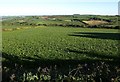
(61, 43)
(27, 46)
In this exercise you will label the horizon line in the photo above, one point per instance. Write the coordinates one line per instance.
(61, 14)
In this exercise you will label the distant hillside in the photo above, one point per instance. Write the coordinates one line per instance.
(76, 20)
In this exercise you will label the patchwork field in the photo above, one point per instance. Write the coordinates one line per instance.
(95, 22)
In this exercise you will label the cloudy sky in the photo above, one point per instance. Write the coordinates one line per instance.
(58, 7)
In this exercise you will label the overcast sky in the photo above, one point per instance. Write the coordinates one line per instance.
(58, 7)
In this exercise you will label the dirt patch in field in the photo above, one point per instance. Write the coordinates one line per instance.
(19, 28)
(9, 29)
(95, 22)
(12, 29)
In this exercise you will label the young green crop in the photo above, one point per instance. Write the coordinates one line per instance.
(61, 43)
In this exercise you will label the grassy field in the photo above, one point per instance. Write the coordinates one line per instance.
(29, 49)
(56, 42)
(61, 43)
